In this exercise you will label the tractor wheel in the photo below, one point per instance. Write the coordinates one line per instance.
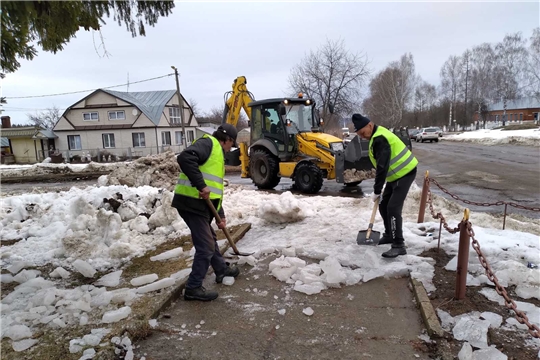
(264, 169)
(308, 178)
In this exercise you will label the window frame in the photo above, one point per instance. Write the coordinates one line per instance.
(108, 135)
(74, 137)
(90, 113)
(163, 136)
(139, 139)
(181, 137)
(116, 114)
(175, 119)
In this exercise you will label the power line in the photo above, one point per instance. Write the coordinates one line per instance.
(82, 91)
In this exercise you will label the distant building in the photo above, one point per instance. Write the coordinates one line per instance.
(517, 111)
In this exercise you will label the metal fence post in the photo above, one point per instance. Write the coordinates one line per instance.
(463, 257)
(504, 218)
(423, 198)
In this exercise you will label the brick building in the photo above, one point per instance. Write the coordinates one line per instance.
(517, 111)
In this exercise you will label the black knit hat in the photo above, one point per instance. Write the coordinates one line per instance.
(230, 131)
(359, 121)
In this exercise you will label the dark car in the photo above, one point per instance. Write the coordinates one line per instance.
(413, 133)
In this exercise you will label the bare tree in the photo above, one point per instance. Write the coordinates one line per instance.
(391, 92)
(195, 108)
(533, 64)
(331, 75)
(510, 66)
(215, 116)
(425, 97)
(465, 82)
(45, 119)
(450, 78)
(482, 68)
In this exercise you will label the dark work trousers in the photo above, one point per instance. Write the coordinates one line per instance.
(206, 248)
(391, 206)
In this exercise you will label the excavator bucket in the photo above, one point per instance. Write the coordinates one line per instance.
(353, 164)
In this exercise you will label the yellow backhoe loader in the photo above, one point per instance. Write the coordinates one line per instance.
(285, 140)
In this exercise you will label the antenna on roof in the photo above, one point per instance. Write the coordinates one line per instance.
(128, 82)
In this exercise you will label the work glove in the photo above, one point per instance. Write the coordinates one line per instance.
(374, 197)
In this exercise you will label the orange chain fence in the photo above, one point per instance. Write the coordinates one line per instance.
(466, 233)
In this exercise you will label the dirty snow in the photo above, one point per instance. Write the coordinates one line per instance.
(78, 231)
(498, 137)
(49, 168)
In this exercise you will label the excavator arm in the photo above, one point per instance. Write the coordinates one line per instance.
(236, 100)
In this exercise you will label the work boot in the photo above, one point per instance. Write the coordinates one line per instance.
(386, 239)
(229, 271)
(200, 294)
(394, 252)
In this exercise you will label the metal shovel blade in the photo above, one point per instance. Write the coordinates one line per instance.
(363, 239)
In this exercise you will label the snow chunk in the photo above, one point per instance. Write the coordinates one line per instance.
(490, 353)
(123, 295)
(161, 284)
(228, 280)
(290, 251)
(310, 289)
(116, 315)
(181, 275)
(528, 291)
(110, 280)
(247, 260)
(18, 266)
(466, 352)
(495, 320)
(472, 330)
(286, 209)
(6, 278)
(59, 272)
(308, 311)
(88, 354)
(24, 344)
(282, 311)
(145, 279)
(84, 268)
(18, 332)
(26, 275)
(153, 323)
(102, 299)
(168, 254)
(447, 321)
(333, 271)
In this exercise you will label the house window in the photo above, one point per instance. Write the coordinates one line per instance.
(521, 117)
(91, 116)
(74, 142)
(174, 115)
(178, 137)
(138, 140)
(166, 138)
(117, 115)
(108, 141)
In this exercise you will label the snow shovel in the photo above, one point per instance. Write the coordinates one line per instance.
(218, 218)
(369, 237)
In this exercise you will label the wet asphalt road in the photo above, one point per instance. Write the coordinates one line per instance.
(479, 173)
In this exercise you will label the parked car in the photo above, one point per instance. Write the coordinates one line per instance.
(427, 134)
(439, 131)
(413, 133)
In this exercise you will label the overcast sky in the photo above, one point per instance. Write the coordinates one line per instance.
(213, 43)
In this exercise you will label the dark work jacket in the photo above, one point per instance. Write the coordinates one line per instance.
(381, 152)
(189, 160)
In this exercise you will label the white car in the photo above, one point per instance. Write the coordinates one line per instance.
(427, 134)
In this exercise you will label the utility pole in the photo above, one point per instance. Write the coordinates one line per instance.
(181, 104)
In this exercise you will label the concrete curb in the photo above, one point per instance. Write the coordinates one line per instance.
(179, 286)
(426, 309)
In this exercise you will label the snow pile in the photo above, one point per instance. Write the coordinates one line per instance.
(46, 168)
(160, 171)
(472, 328)
(286, 209)
(498, 136)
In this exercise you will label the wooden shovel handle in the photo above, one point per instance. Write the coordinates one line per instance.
(218, 219)
(372, 220)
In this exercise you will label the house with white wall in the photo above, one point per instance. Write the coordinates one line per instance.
(125, 125)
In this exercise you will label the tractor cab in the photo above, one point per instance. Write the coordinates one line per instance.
(276, 122)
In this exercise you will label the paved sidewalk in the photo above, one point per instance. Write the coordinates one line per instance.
(375, 320)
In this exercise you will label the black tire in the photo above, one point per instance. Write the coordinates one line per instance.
(264, 169)
(308, 178)
(436, 140)
(353, 184)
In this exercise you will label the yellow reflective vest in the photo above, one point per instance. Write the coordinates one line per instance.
(213, 172)
(402, 161)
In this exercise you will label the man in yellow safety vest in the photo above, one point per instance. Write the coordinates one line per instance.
(395, 165)
(202, 168)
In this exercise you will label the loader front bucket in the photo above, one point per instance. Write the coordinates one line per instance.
(354, 159)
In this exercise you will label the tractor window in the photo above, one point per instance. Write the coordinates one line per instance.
(301, 115)
(257, 124)
(271, 121)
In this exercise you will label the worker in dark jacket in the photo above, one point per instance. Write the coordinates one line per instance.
(202, 168)
(395, 165)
